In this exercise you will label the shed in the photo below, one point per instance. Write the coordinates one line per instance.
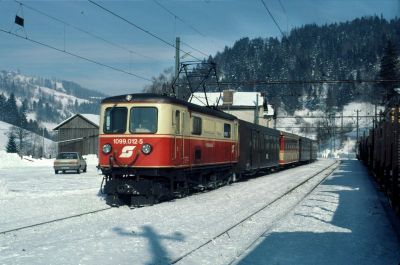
(79, 133)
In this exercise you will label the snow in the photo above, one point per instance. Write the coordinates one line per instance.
(65, 99)
(341, 218)
(341, 222)
(49, 145)
(92, 117)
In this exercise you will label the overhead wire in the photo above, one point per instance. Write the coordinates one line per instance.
(270, 14)
(184, 22)
(140, 28)
(83, 30)
(76, 55)
(178, 18)
(296, 82)
(284, 11)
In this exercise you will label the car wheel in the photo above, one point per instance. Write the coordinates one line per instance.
(84, 170)
(78, 171)
(56, 171)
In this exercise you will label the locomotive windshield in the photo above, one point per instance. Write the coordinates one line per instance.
(143, 120)
(115, 120)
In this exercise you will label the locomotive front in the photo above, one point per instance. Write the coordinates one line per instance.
(134, 143)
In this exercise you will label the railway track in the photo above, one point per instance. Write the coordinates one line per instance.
(328, 170)
(55, 220)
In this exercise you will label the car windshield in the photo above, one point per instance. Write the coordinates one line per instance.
(115, 120)
(143, 120)
(67, 156)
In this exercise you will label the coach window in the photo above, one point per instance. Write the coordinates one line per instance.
(143, 120)
(227, 130)
(115, 120)
(196, 126)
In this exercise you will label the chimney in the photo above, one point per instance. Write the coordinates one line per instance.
(227, 97)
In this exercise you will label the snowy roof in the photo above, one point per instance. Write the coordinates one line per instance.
(91, 118)
(239, 99)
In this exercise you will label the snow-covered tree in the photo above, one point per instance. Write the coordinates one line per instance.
(11, 145)
(389, 69)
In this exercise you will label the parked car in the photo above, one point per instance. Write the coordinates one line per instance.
(69, 161)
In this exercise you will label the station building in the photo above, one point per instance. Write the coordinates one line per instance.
(247, 106)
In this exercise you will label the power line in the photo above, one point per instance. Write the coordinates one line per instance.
(269, 12)
(299, 82)
(184, 22)
(82, 30)
(284, 11)
(75, 55)
(139, 28)
(178, 18)
(184, 43)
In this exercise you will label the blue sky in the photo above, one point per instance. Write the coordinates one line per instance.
(217, 23)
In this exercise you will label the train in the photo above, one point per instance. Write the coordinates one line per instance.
(380, 152)
(157, 147)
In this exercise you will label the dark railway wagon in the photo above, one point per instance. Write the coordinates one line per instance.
(380, 152)
(305, 149)
(258, 148)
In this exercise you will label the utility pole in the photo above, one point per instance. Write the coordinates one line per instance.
(256, 110)
(43, 142)
(357, 123)
(177, 62)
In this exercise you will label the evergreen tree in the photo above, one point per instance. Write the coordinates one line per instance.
(389, 70)
(23, 122)
(11, 113)
(2, 107)
(11, 145)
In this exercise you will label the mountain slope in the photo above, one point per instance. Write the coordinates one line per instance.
(48, 101)
(339, 51)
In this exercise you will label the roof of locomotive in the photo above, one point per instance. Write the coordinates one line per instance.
(152, 98)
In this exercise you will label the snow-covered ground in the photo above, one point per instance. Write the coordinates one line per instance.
(50, 147)
(340, 218)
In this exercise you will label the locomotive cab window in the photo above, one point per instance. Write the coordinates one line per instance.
(115, 120)
(227, 130)
(177, 122)
(143, 120)
(196, 126)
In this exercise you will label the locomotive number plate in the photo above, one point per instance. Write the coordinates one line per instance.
(127, 141)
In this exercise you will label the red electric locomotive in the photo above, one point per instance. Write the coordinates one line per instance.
(153, 147)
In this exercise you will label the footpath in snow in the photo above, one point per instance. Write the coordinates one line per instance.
(341, 222)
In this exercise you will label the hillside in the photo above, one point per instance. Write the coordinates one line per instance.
(339, 51)
(44, 102)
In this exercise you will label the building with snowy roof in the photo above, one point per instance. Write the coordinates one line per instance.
(79, 133)
(241, 104)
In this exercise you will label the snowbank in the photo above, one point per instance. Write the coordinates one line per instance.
(8, 160)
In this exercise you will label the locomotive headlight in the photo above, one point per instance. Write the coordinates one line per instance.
(107, 148)
(146, 149)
